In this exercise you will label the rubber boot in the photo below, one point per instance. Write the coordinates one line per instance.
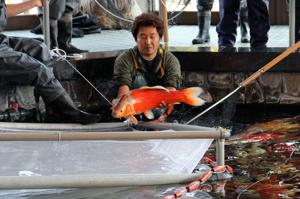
(39, 28)
(62, 109)
(65, 35)
(243, 25)
(53, 34)
(204, 19)
(53, 31)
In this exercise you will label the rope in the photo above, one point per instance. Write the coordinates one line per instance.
(62, 55)
(131, 21)
(181, 11)
(246, 189)
(206, 176)
(112, 14)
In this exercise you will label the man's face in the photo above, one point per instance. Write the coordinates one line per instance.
(148, 41)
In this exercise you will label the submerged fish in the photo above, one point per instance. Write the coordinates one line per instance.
(144, 99)
(260, 136)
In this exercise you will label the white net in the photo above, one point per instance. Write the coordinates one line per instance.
(43, 158)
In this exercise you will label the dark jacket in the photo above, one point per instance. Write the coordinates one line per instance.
(166, 71)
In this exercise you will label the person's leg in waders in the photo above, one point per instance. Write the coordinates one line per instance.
(21, 63)
(65, 27)
(140, 81)
(244, 22)
(204, 19)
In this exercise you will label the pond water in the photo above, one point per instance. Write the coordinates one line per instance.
(264, 156)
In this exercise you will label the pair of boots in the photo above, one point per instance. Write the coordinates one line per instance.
(204, 20)
(63, 28)
(63, 110)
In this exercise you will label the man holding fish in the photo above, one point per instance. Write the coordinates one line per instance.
(148, 64)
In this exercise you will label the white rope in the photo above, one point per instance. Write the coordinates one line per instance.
(109, 12)
(131, 21)
(291, 155)
(62, 55)
(285, 180)
(181, 11)
(246, 188)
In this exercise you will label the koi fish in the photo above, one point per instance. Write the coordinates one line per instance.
(260, 136)
(144, 99)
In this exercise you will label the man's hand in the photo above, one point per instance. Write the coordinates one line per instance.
(114, 102)
(38, 3)
(163, 104)
(171, 88)
(123, 90)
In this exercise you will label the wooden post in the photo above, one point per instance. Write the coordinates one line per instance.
(165, 20)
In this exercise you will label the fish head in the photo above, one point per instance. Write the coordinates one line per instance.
(122, 108)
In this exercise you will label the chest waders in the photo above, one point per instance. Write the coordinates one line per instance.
(21, 63)
(140, 79)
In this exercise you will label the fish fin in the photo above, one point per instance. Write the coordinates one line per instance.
(133, 119)
(170, 109)
(192, 96)
(161, 88)
(162, 118)
(155, 88)
(149, 114)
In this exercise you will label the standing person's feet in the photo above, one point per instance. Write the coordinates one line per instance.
(245, 38)
(244, 25)
(204, 19)
(70, 49)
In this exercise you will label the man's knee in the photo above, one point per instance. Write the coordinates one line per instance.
(40, 51)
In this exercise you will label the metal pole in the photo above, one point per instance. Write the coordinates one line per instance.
(177, 127)
(151, 5)
(292, 21)
(32, 135)
(93, 181)
(220, 151)
(18, 126)
(214, 105)
(160, 9)
(46, 22)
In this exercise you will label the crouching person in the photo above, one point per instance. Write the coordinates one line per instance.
(23, 61)
(147, 64)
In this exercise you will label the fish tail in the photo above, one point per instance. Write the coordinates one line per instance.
(191, 96)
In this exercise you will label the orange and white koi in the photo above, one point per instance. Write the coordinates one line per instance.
(144, 99)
